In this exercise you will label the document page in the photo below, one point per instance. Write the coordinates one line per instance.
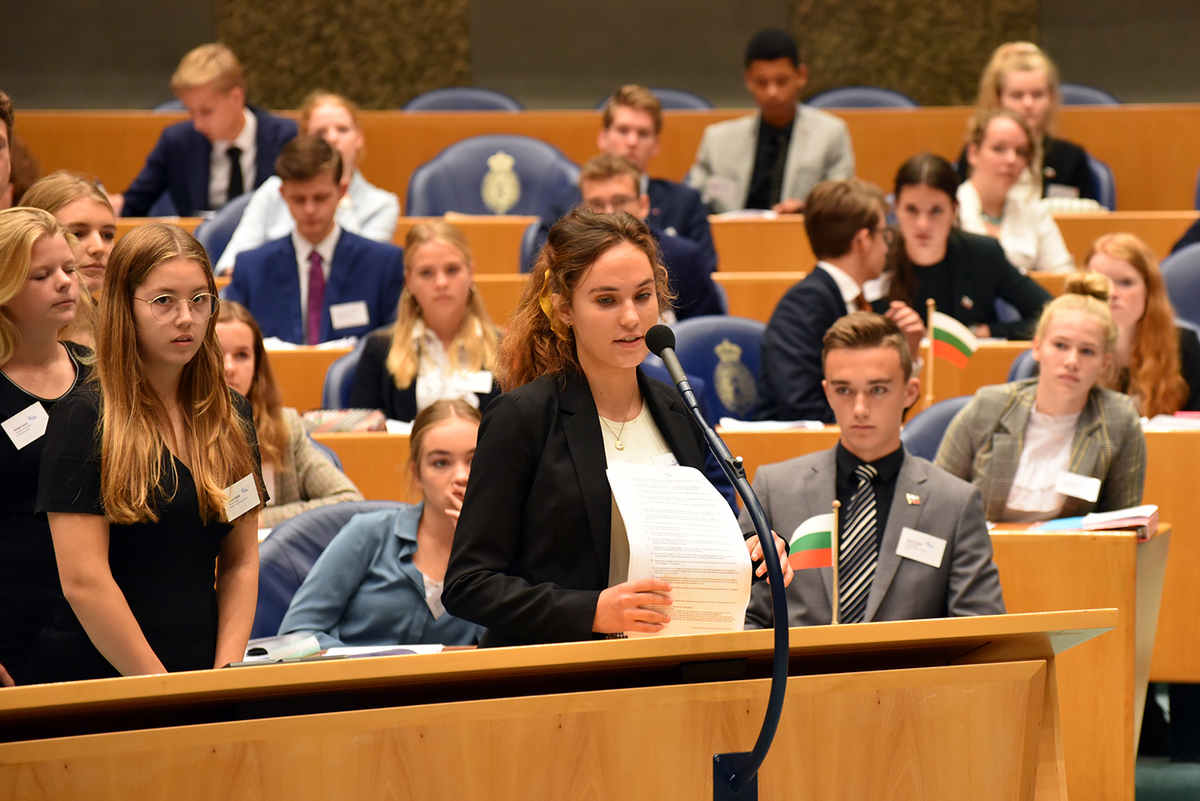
(682, 531)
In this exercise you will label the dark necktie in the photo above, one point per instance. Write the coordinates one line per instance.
(236, 184)
(775, 189)
(316, 297)
(858, 550)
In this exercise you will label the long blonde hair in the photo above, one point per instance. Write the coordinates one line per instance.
(1155, 382)
(62, 188)
(474, 345)
(1013, 57)
(134, 419)
(264, 395)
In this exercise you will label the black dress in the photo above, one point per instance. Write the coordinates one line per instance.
(29, 586)
(165, 569)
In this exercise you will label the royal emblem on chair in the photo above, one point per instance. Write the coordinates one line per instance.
(501, 188)
(735, 383)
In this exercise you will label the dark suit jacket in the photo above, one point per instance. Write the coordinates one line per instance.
(531, 550)
(674, 208)
(266, 281)
(179, 165)
(690, 268)
(789, 377)
(375, 388)
(966, 583)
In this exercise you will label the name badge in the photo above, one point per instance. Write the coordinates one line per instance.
(480, 382)
(921, 547)
(241, 498)
(27, 425)
(349, 315)
(1085, 487)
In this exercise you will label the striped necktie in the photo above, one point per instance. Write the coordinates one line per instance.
(858, 550)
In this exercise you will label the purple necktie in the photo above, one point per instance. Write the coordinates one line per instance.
(316, 297)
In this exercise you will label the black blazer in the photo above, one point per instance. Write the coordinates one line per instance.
(374, 387)
(531, 551)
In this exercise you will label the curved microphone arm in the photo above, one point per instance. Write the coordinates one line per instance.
(661, 341)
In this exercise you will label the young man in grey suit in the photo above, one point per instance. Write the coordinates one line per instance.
(771, 159)
(913, 539)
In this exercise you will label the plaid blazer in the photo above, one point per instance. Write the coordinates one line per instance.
(306, 479)
(984, 441)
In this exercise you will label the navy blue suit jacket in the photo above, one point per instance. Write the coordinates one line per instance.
(674, 208)
(690, 267)
(178, 165)
(266, 281)
(790, 374)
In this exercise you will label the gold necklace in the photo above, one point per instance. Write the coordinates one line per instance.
(617, 434)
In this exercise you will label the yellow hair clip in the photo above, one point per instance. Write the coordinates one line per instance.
(546, 302)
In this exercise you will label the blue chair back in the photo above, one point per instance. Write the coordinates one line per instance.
(1106, 184)
(174, 104)
(861, 97)
(653, 367)
(462, 98)
(674, 99)
(1022, 367)
(288, 553)
(1181, 271)
(164, 206)
(529, 241)
(726, 352)
(1196, 203)
(490, 174)
(1076, 94)
(922, 435)
(215, 232)
(339, 378)
(328, 452)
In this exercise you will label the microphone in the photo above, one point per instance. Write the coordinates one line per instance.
(738, 769)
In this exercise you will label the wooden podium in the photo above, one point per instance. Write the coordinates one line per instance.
(963, 708)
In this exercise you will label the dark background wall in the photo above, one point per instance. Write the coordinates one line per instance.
(552, 54)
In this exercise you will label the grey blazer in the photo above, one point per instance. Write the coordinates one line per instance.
(820, 149)
(984, 441)
(966, 583)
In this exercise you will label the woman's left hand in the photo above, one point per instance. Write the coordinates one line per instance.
(455, 495)
(756, 554)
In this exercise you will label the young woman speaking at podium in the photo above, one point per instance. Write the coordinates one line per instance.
(539, 555)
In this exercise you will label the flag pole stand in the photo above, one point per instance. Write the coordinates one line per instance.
(834, 543)
(930, 307)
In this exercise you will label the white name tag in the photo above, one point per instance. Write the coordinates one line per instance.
(349, 315)
(241, 498)
(26, 425)
(1077, 486)
(480, 382)
(664, 460)
(921, 547)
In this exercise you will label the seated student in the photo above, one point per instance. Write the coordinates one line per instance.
(846, 225)
(963, 273)
(771, 159)
(1158, 363)
(227, 147)
(6, 135)
(1000, 146)
(1022, 78)
(610, 183)
(84, 209)
(1058, 445)
(887, 496)
(379, 581)
(442, 345)
(298, 477)
(39, 299)
(630, 128)
(319, 283)
(365, 210)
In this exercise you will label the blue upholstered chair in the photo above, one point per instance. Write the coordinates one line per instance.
(674, 99)
(922, 435)
(328, 452)
(174, 104)
(1022, 367)
(215, 232)
(1075, 94)
(288, 553)
(490, 174)
(860, 97)
(1181, 271)
(726, 352)
(529, 241)
(339, 378)
(462, 98)
(1106, 185)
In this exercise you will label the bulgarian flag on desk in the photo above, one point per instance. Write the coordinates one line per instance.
(811, 544)
(952, 340)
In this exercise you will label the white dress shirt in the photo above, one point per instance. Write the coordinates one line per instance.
(846, 285)
(218, 162)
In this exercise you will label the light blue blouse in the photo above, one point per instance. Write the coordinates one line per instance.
(365, 590)
(366, 210)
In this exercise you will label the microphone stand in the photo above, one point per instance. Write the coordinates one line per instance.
(739, 770)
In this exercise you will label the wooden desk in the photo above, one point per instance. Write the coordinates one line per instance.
(964, 708)
(300, 374)
(989, 365)
(755, 294)
(495, 241)
(1158, 229)
(127, 224)
(376, 463)
(759, 246)
(500, 294)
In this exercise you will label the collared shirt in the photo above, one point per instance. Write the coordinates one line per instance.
(439, 377)
(773, 143)
(888, 469)
(218, 162)
(303, 248)
(846, 285)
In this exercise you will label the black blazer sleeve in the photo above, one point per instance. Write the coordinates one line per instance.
(1025, 294)
(1189, 365)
